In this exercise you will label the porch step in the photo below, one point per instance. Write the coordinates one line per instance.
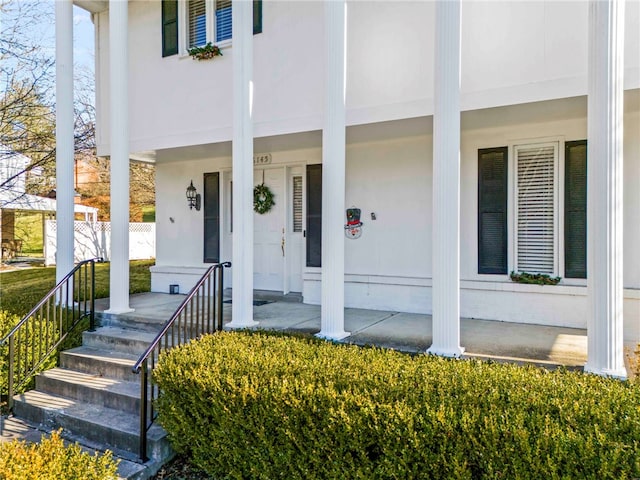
(105, 363)
(116, 339)
(95, 398)
(98, 390)
(92, 424)
(131, 321)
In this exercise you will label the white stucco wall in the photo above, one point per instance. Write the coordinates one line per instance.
(512, 52)
(389, 267)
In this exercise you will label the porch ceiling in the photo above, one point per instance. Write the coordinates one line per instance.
(93, 6)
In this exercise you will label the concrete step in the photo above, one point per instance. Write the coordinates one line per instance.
(133, 321)
(116, 339)
(89, 388)
(105, 363)
(93, 425)
(21, 430)
(129, 341)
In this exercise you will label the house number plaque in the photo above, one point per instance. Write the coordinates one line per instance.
(262, 159)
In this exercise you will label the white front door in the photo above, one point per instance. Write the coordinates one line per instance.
(270, 234)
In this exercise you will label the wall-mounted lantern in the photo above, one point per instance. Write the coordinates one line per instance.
(193, 197)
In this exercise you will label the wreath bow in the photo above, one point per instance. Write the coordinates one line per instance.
(262, 199)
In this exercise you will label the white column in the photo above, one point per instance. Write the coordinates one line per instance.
(604, 189)
(64, 137)
(242, 260)
(333, 171)
(446, 182)
(119, 104)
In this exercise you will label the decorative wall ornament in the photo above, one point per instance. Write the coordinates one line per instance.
(262, 199)
(353, 228)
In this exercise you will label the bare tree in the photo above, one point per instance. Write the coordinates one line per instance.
(27, 110)
(27, 119)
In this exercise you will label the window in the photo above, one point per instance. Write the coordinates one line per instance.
(297, 203)
(196, 23)
(536, 213)
(536, 203)
(200, 22)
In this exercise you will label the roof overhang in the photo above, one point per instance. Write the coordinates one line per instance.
(93, 6)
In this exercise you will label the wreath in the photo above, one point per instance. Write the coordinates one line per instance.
(262, 199)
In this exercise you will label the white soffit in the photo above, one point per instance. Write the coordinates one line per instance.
(93, 6)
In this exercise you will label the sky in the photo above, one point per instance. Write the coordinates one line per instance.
(83, 40)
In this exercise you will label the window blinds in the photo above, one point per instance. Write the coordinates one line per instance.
(297, 204)
(223, 20)
(197, 23)
(535, 209)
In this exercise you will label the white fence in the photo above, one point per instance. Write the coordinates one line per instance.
(93, 239)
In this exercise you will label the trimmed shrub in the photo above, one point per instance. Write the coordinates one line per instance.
(270, 406)
(35, 342)
(52, 460)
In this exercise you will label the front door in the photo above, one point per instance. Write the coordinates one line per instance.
(270, 234)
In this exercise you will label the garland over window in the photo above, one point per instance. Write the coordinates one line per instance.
(262, 199)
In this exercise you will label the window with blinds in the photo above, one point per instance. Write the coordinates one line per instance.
(297, 204)
(223, 20)
(197, 26)
(535, 208)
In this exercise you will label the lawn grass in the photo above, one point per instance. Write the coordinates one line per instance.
(21, 290)
(29, 229)
(149, 213)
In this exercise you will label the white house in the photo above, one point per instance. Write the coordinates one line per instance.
(466, 133)
(13, 198)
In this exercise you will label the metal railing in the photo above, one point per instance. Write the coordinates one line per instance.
(38, 335)
(199, 313)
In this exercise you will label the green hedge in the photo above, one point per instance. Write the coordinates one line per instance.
(270, 406)
(52, 460)
(36, 342)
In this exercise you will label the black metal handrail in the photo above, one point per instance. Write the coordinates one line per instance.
(190, 320)
(41, 331)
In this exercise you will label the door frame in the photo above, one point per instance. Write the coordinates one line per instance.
(226, 218)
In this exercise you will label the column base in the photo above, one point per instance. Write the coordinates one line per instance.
(333, 335)
(119, 311)
(620, 374)
(446, 352)
(240, 325)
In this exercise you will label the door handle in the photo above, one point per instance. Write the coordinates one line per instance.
(282, 243)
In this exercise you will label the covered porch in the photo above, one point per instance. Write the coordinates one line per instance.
(408, 332)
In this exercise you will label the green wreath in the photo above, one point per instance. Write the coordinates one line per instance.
(262, 199)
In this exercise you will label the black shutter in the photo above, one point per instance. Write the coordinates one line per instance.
(257, 16)
(314, 215)
(211, 217)
(492, 210)
(575, 209)
(169, 27)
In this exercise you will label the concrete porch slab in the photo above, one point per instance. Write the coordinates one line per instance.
(408, 332)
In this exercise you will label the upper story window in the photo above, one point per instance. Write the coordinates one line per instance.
(194, 23)
(197, 23)
(208, 21)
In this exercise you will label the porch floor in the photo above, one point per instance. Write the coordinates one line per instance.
(409, 332)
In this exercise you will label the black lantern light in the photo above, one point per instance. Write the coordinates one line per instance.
(193, 197)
